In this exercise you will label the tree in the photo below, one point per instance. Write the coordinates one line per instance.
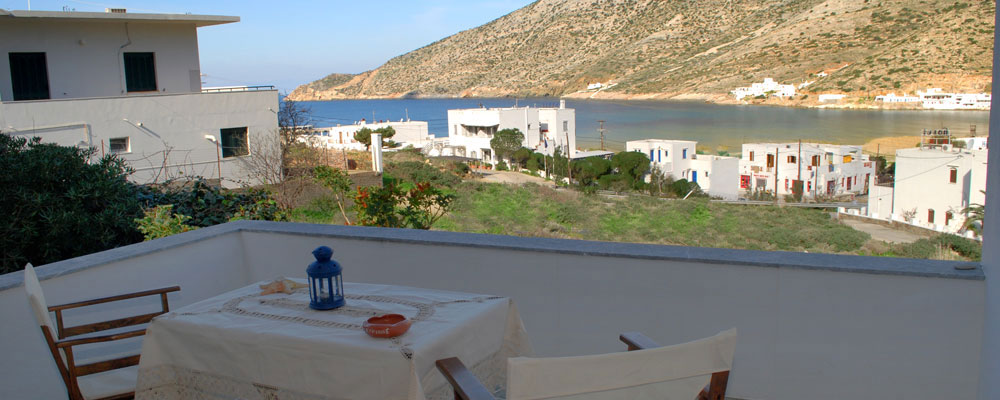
(364, 135)
(506, 142)
(282, 162)
(56, 205)
(521, 156)
(588, 170)
(293, 121)
(337, 181)
(633, 165)
(974, 217)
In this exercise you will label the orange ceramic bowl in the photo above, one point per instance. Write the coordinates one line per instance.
(386, 326)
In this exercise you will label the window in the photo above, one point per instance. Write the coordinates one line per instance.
(930, 216)
(751, 156)
(140, 72)
(565, 126)
(947, 217)
(815, 161)
(684, 154)
(119, 145)
(234, 142)
(847, 159)
(29, 76)
(770, 160)
(791, 159)
(953, 175)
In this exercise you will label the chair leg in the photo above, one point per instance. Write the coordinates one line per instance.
(716, 389)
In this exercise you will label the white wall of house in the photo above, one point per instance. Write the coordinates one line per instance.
(84, 56)
(413, 133)
(825, 169)
(165, 133)
(162, 134)
(544, 129)
(880, 200)
(716, 175)
(924, 187)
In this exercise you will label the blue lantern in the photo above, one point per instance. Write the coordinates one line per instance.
(326, 287)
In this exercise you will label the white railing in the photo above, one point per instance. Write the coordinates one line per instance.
(811, 325)
(226, 89)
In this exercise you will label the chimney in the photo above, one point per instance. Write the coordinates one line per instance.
(562, 103)
(115, 10)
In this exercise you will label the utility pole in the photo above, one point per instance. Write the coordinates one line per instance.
(776, 163)
(799, 180)
(569, 157)
(602, 133)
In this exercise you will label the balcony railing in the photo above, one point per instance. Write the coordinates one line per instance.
(814, 326)
(224, 89)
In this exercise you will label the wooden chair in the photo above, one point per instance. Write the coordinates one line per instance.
(109, 378)
(689, 364)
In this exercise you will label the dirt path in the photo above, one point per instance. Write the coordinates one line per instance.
(510, 177)
(881, 232)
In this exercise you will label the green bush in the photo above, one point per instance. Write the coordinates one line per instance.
(965, 247)
(56, 205)
(160, 221)
(209, 205)
(502, 166)
(416, 171)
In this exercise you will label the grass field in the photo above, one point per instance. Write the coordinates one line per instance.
(536, 211)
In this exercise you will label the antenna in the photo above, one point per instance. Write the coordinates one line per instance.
(602, 133)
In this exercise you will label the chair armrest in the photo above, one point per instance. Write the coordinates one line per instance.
(115, 298)
(466, 386)
(637, 341)
(98, 339)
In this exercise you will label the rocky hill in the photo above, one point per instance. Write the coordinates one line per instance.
(693, 49)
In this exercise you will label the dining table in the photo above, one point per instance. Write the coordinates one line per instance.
(245, 344)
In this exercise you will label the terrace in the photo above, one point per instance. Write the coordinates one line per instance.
(811, 325)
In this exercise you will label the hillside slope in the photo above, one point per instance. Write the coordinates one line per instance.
(693, 49)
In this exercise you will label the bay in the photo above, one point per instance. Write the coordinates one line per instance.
(716, 127)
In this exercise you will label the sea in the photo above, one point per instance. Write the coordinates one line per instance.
(716, 127)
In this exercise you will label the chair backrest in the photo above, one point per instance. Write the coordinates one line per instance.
(36, 297)
(671, 372)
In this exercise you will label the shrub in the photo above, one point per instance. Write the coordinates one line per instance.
(401, 205)
(966, 248)
(56, 205)
(416, 171)
(502, 166)
(209, 205)
(160, 221)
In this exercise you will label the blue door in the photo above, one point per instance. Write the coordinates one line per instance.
(694, 176)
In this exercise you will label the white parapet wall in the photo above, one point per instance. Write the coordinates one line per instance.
(811, 326)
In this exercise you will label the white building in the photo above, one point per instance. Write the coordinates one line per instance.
(408, 133)
(974, 143)
(545, 130)
(825, 169)
(892, 98)
(933, 185)
(716, 175)
(763, 88)
(831, 97)
(128, 84)
(935, 99)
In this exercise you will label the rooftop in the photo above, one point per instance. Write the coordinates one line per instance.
(76, 16)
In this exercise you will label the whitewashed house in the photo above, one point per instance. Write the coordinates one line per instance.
(824, 169)
(545, 129)
(936, 99)
(128, 84)
(408, 133)
(932, 187)
(893, 98)
(763, 89)
(716, 175)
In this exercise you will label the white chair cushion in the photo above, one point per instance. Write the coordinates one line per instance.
(36, 297)
(108, 383)
(670, 372)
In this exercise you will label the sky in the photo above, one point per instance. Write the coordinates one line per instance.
(288, 43)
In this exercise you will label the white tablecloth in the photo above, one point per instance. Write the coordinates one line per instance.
(248, 346)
